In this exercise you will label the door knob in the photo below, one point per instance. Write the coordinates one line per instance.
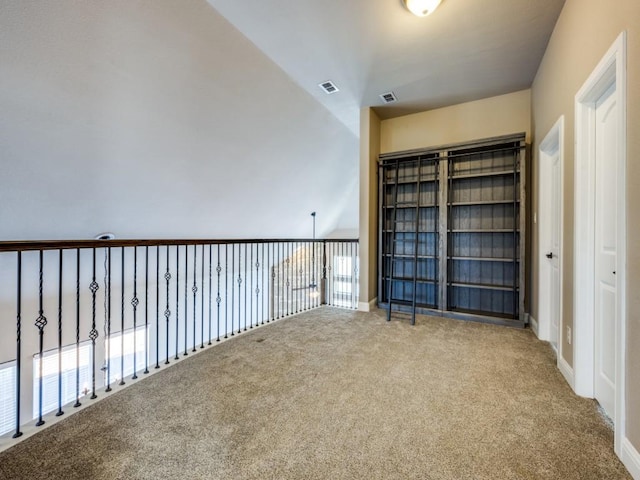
(549, 255)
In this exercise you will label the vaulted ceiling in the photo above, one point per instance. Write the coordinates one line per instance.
(204, 118)
(465, 50)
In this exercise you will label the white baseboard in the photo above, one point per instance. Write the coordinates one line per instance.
(567, 372)
(534, 325)
(368, 306)
(631, 458)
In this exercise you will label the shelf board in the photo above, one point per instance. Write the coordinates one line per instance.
(412, 232)
(391, 182)
(386, 278)
(482, 202)
(483, 230)
(483, 313)
(484, 286)
(410, 256)
(485, 259)
(498, 173)
(408, 303)
(405, 207)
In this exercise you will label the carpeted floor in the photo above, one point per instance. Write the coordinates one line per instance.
(335, 394)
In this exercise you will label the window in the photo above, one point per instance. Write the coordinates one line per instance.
(50, 376)
(8, 373)
(343, 281)
(114, 347)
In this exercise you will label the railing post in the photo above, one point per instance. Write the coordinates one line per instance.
(323, 282)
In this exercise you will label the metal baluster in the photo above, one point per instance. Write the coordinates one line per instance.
(233, 250)
(288, 282)
(93, 334)
(59, 412)
(134, 303)
(157, 307)
(226, 289)
(251, 287)
(269, 286)
(202, 299)
(18, 433)
(273, 284)
(245, 287)
(177, 300)
(186, 289)
(167, 312)
(146, 310)
(257, 284)
(41, 322)
(210, 291)
(108, 333)
(239, 285)
(77, 404)
(218, 299)
(194, 289)
(122, 382)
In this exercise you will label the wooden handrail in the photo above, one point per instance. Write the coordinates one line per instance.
(31, 245)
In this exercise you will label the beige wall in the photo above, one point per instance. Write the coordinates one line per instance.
(583, 34)
(489, 117)
(369, 151)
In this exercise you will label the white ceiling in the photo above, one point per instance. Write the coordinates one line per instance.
(466, 50)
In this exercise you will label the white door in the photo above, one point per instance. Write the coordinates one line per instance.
(605, 250)
(553, 255)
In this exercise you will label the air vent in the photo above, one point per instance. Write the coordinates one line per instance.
(389, 97)
(329, 87)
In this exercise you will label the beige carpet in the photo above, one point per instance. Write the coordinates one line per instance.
(334, 394)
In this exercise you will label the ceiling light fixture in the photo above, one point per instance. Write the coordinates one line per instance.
(421, 8)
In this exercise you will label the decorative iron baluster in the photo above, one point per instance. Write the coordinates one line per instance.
(239, 286)
(93, 334)
(134, 303)
(267, 273)
(194, 289)
(18, 433)
(186, 294)
(108, 332)
(233, 249)
(40, 323)
(245, 287)
(59, 412)
(122, 382)
(331, 288)
(210, 289)
(77, 404)
(146, 309)
(218, 299)
(226, 290)
(177, 299)
(287, 293)
(167, 312)
(251, 286)
(201, 300)
(257, 284)
(157, 307)
(273, 283)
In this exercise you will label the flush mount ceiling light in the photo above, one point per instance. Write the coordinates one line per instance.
(421, 8)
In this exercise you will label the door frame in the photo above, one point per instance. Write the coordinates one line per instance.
(612, 68)
(553, 141)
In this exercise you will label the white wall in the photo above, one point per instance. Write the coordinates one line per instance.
(157, 118)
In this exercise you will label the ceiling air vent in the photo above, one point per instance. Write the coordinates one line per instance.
(389, 97)
(329, 87)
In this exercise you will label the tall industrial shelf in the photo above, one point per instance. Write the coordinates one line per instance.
(464, 237)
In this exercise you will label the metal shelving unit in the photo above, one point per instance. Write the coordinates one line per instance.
(452, 230)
